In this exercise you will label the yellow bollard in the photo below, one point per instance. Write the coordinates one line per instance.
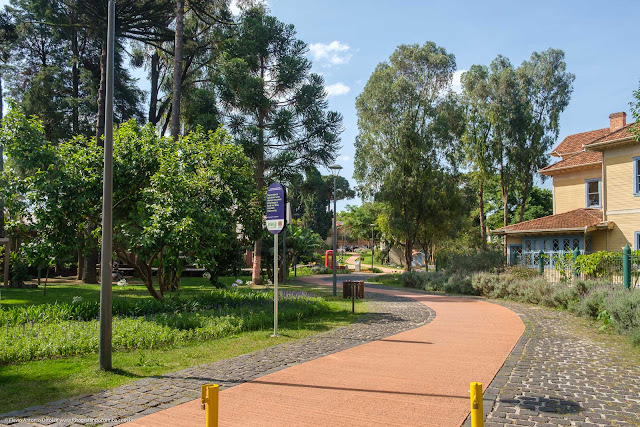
(477, 413)
(210, 394)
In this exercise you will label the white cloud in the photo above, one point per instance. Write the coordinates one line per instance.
(456, 85)
(337, 89)
(334, 53)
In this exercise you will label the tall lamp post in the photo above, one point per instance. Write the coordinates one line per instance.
(335, 170)
(372, 245)
(107, 202)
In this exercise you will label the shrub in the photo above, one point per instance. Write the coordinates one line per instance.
(435, 281)
(460, 284)
(320, 270)
(413, 279)
(564, 296)
(624, 308)
(535, 291)
(592, 304)
(471, 262)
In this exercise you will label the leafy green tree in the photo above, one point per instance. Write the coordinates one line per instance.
(175, 202)
(183, 207)
(8, 37)
(546, 87)
(476, 140)
(277, 109)
(635, 110)
(358, 219)
(404, 148)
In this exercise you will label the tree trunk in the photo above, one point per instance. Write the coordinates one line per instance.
(155, 76)
(142, 269)
(80, 262)
(102, 93)
(526, 189)
(89, 273)
(75, 80)
(177, 70)
(257, 247)
(483, 230)
(408, 253)
(1, 164)
(504, 195)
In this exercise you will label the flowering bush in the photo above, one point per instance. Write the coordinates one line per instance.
(122, 283)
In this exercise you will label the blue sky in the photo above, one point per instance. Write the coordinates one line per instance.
(348, 38)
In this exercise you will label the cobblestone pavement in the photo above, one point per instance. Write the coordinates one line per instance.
(555, 376)
(388, 315)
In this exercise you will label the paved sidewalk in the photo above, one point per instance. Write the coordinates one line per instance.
(557, 375)
(417, 377)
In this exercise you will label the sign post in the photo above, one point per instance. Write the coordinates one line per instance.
(276, 221)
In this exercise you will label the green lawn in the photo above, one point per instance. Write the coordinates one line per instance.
(40, 381)
(365, 258)
(63, 290)
(390, 279)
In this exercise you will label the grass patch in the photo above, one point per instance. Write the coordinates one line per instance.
(64, 289)
(365, 260)
(391, 279)
(41, 381)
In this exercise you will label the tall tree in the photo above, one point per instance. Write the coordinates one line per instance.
(404, 145)
(8, 37)
(277, 109)
(506, 113)
(476, 140)
(546, 87)
(177, 69)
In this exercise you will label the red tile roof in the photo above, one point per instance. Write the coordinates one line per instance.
(624, 132)
(575, 219)
(573, 143)
(582, 158)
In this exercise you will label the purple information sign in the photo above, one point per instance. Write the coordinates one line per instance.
(276, 203)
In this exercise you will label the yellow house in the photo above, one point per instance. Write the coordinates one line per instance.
(596, 197)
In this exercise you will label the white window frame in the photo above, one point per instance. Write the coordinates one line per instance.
(636, 177)
(586, 192)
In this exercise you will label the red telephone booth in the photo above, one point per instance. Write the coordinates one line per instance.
(328, 259)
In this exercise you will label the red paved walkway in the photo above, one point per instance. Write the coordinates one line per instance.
(416, 378)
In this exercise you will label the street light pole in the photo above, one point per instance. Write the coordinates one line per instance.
(335, 170)
(107, 203)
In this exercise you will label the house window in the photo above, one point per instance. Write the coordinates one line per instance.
(588, 245)
(636, 176)
(637, 240)
(592, 193)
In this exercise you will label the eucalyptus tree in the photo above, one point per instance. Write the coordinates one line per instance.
(546, 87)
(407, 129)
(276, 108)
(506, 113)
(476, 140)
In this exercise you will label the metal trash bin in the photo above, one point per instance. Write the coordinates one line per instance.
(357, 284)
